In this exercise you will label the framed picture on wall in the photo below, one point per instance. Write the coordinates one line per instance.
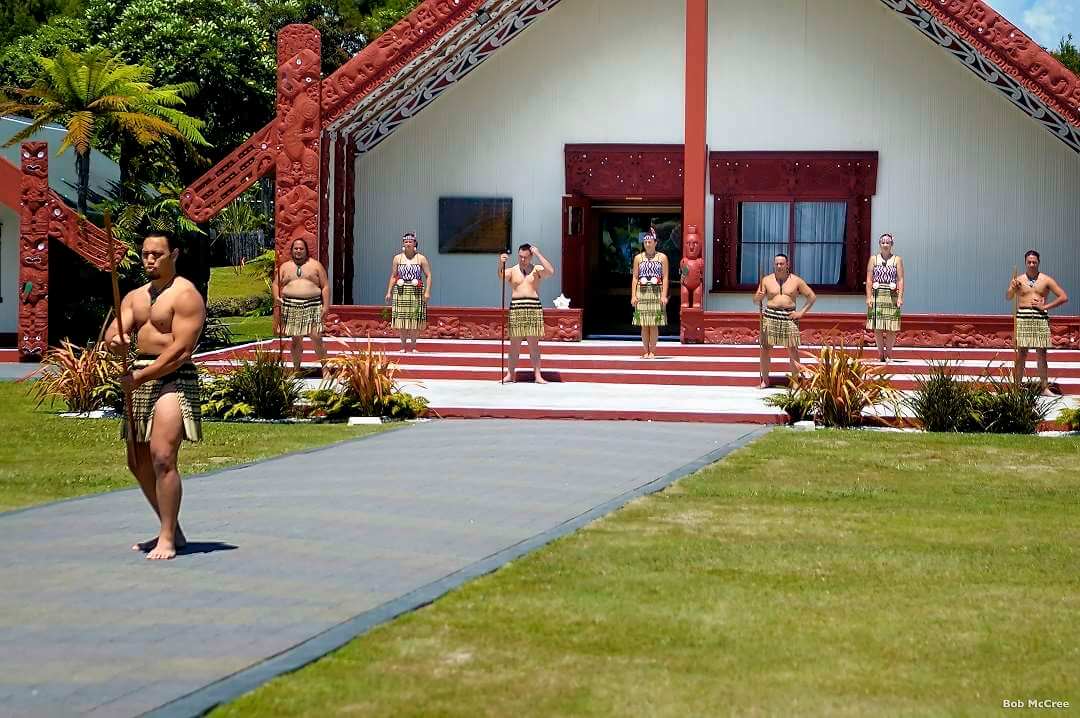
(475, 224)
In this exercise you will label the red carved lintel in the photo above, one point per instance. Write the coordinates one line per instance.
(618, 172)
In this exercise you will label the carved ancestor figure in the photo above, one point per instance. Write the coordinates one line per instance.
(692, 269)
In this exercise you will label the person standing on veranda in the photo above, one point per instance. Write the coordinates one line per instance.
(409, 289)
(884, 296)
(302, 290)
(1030, 291)
(649, 292)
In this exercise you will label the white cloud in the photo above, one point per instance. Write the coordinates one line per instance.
(1047, 21)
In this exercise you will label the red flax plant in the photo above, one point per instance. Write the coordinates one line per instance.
(84, 378)
(365, 375)
(842, 384)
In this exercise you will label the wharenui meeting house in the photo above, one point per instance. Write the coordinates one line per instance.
(737, 128)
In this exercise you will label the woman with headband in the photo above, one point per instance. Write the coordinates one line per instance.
(410, 289)
(884, 296)
(649, 292)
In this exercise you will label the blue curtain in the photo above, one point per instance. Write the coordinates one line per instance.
(819, 241)
(763, 234)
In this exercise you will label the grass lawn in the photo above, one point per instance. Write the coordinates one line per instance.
(249, 329)
(44, 457)
(819, 573)
(226, 282)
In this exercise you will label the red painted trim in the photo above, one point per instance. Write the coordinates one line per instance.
(340, 214)
(607, 415)
(448, 323)
(917, 330)
(349, 265)
(696, 73)
(324, 199)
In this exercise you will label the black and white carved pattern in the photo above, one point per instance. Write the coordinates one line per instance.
(989, 72)
(465, 53)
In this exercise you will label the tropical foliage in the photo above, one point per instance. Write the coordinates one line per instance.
(83, 378)
(837, 389)
(361, 382)
(95, 93)
(262, 387)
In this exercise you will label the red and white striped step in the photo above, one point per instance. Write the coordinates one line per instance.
(678, 365)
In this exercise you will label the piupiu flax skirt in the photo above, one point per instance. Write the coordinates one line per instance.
(884, 315)
(144, 399)
(650, 311)
(526, 318)
(410, 309)
(779, 328)
(1032, 328)
(301, 317)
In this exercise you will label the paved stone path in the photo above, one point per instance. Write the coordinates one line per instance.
(291, 548)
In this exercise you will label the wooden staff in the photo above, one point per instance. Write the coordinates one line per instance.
(1017, 375)
(502, 312)
(129, 412)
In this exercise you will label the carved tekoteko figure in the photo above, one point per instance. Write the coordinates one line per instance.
(692, 269)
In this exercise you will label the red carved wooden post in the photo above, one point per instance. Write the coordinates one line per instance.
(692, 270)
(37, 202)
(299, 128)
(695, 164)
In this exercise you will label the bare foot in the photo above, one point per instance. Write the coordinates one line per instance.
(763, 385)
(1048, 392)
(148, 545)
(539, 380)
(508, 379)
(162, 552)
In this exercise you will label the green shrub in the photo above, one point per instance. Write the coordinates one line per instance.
(841, 384)
(338, 404)
(941, 402)
(262, 388)
(1070, 418)
(795, 403)
(83, 378)
(995, 403)
(215, 334)
(1003, 406)
(253, 305)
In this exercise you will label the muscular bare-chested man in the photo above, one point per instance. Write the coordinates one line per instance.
(779, 317)
(526, 312)
(1030, 290)
(303, 292)
(166, 316)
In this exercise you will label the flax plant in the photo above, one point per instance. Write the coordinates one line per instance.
(84, 378)
(841, 384)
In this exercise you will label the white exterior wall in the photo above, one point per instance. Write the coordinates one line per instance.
(578, 75)
(9, 270)
(966, 181)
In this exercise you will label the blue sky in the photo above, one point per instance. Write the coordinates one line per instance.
(1046, 21)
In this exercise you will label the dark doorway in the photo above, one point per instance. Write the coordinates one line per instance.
(610, 262)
